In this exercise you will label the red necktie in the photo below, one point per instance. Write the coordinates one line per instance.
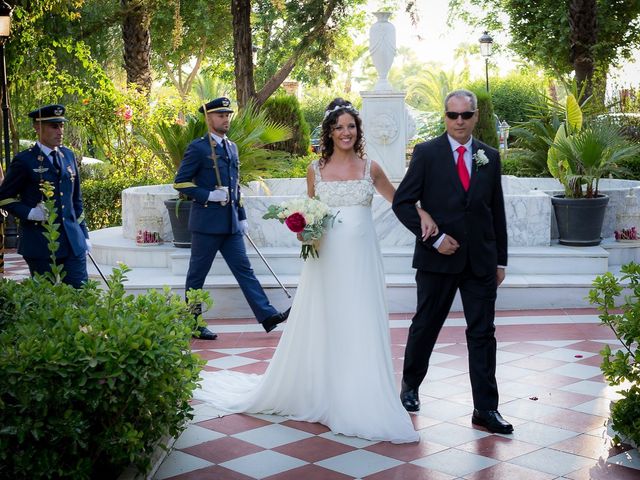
(463, 173)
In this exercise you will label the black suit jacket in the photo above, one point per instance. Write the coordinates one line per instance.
(476, 218)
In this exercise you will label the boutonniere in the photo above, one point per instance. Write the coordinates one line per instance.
(480, 158)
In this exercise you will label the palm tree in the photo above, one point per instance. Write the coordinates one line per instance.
(137, 43)
(583, 35)
(430, 90)
(250, 129)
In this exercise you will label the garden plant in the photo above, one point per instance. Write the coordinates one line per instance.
(620, 310)
(91, 380)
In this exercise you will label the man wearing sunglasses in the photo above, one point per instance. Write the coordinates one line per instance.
(457, 179)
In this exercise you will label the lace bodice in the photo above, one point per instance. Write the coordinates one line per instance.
(345, 193)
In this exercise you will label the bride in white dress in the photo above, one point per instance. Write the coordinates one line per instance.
(333, 363)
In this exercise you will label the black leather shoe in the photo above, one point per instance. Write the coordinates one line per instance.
(492, 421)
(206, 334)
(270, 323)
(409, 398)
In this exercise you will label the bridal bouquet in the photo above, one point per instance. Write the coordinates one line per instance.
(307, 217)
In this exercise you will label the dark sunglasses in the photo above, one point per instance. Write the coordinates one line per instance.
(455, 115)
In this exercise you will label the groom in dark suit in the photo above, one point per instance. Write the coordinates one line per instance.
(457, 180)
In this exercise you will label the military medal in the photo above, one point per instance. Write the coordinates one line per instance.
(72, 174)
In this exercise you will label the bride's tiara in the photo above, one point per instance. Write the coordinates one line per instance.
(348, 108)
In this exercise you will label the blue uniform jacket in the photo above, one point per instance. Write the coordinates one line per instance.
(196, 177)
(20, 192)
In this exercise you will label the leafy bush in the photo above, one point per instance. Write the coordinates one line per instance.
(621, 367)
(313, 108)
(512, 95)
(250, 129)
(630, 168)
(516, 162)
(485, 130)
(295, 168)
(285, 109)
(428, 125)
(90, 379)
(169, 140)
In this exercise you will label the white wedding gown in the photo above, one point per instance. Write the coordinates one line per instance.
(333, 362)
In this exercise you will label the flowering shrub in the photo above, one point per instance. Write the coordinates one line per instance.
(125, 112)
(308, 217)
(626, 234)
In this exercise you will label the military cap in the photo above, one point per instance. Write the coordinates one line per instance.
(220, 105)
(49, 114)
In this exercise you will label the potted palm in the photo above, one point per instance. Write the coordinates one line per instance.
(580, 155)
(250, 129)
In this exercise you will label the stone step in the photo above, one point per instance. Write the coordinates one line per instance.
(518, 291)
(110, 248)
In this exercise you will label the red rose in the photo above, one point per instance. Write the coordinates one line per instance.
(296, 222)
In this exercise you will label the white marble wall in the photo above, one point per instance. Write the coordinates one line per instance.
(146, 201)
(530, 218)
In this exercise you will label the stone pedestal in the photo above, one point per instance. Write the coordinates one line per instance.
(385, 122)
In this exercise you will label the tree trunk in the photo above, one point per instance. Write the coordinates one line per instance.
(583, 35)
(243, 51)
(137, 43)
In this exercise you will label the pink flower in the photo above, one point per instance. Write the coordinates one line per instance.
(125, 112)
(296, 222)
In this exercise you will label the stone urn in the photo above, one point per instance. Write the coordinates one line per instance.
(382, 47)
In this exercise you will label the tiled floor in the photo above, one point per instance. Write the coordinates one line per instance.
(551, 390)
(14, 266)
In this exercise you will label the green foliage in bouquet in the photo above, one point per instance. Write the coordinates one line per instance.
(622, 367)
(90, 380)
(308, 218)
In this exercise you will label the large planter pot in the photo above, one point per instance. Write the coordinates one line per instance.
(579, 219)
(179, 218)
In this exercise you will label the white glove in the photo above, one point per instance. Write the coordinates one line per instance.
(244, 226)
(218, 196)
(89, 246)
(38, 213)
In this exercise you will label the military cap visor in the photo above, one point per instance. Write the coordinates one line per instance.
(219, 105)
(48, 114)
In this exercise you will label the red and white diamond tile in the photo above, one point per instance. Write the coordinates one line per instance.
(551, 390)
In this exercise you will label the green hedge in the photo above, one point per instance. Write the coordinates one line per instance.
(296, 167)
(90, 379)
(512, 96)
(485, 129)
(285, 109)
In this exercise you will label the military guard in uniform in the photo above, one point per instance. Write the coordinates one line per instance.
(209, 175)
(20, 194)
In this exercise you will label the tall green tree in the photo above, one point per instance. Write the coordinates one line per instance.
(582, 36)
(47, 61)
(189, 36)
(287, 34)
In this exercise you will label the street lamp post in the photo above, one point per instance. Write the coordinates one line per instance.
(486, 45)
(5, 30)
